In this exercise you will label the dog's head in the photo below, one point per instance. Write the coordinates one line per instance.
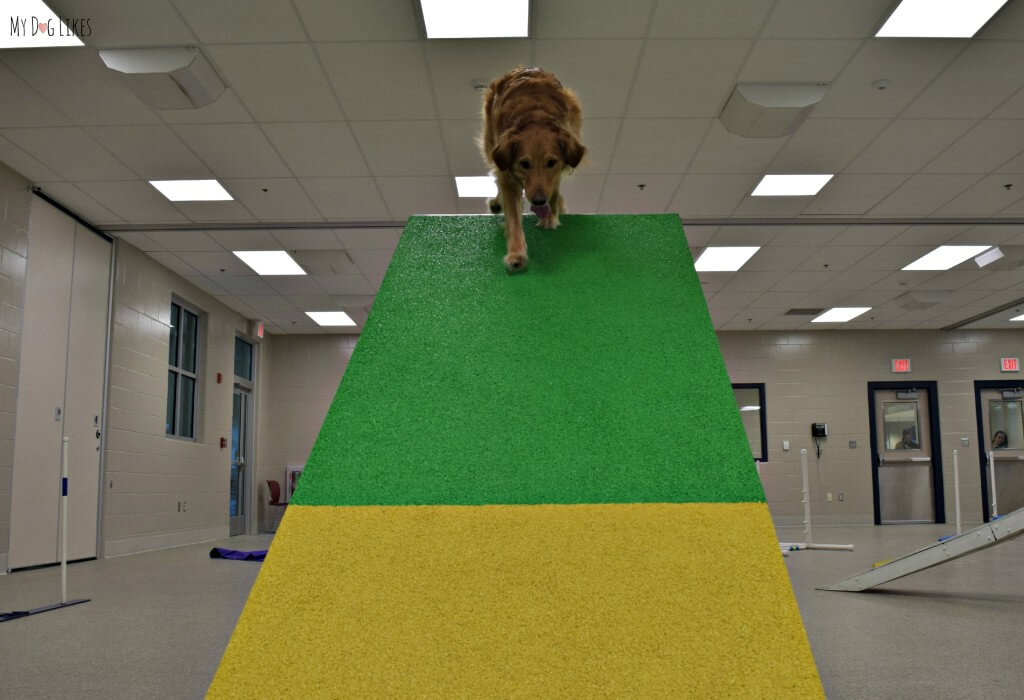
(537, 155)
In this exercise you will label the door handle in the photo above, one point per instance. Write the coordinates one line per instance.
(98, 434)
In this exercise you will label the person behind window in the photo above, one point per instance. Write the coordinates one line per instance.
(999, 440)
(907, 442)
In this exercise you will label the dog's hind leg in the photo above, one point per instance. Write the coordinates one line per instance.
(509, 194)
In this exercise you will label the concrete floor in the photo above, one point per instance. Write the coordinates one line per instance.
(158, 622)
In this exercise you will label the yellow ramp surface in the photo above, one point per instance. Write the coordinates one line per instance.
(508, 600)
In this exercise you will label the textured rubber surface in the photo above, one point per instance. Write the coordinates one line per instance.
(649, 600)
(595, 377)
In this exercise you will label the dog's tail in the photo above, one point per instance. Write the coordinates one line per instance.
(494, 204)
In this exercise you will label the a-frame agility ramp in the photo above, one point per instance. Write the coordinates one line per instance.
(531, 485)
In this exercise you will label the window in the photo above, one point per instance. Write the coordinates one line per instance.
(243, 359)
(750, 402)
(182, 372)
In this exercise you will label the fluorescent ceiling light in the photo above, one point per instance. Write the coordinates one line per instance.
(989, 256)
(946, 256)
(331, 318)
(841, 314)
(191, 190)
(724, 258)
(484, 186)
(954, 19)
(1018, 318)
(468, 19)
(270, 262)
(751, 408)
(31, 24)
(790, 185)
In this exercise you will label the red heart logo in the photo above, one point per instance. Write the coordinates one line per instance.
(42, 26)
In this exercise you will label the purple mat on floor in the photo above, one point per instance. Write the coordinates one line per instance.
(223, 553)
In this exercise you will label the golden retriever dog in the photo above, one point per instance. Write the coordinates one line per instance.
(531, 137)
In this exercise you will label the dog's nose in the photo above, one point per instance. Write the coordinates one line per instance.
(538, 200)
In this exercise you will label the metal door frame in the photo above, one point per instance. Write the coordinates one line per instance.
(934, 433)
(980, 386)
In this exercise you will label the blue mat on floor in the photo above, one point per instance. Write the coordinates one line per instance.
(223, 553)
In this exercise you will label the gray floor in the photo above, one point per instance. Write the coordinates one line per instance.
(158, 622)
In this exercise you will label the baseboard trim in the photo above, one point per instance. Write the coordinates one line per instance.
(167, 540)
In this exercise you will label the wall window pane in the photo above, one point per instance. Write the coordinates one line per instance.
(183, 372)
(172, 348)
(189, 336)
(172, 394)
(243, 359)
(187, 409)
(750, 402)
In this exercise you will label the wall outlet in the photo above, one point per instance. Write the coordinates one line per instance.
(853, 444)
(828, 496)
(184, 506)
(840, 497)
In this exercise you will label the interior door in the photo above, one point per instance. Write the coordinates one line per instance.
(237, 506)
(1002, 421)
(904, 464)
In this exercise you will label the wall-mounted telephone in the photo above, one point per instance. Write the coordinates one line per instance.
(819, 429)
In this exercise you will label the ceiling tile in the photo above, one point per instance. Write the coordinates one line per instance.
(460, 140)
(698, 236)
(930, 235)
(807, 236)
(803, 281)
(277, 82)
(345, 198)
(796, 60)
(583, 19)
(226, 109)
(372, 261)
(853, 195)
(622, 195)
(180, 241)
(969, 87)
(245, 285)
(860, 235)
(600, 72)
(317, 149)
(306, 239)
(295, 284)
(359, 20)
(773, 258)
(242, 21)
(143, 242)
(777, 300)
(406, 196)
(205, 284)
(907, 144)
(710, 19)
(345, 284)
(986, 198)
(128, 23)
(665, 86)
(746, 236)
(274, 199)
(581, 192)
(753, 281)
(272, 303)
(599, 137)
(922, 194)
(835, 258)
(23, 106)
(172, 262)
(214, 211)
(233, 150)
(987, 146)
(215, 264)
(852, 280)
(368, 238)
(993, 235)
(820, 19)
(134, 201)
(152, 152)
(892, 258)
(18, 160)
(402, 148)
(657, 145)
(909, 66)
(236, 304)
(772, 206)
(380, 80)
(711, 195)
(455, 65)
(80, 203)
(70, 152)
(245, 240)
(723, 152)
(826, 145)
(78, 83)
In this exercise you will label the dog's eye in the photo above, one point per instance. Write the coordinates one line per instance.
(552, 163)
(524, 164)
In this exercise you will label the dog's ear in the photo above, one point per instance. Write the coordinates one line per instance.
(572, 149)
(504, 152)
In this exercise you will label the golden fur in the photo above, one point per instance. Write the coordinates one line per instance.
(531, 137)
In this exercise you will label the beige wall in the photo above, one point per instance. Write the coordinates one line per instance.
(822, 377)
(147, 473)
(301, 375)
(14, 221)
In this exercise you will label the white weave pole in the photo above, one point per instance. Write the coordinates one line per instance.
(956, 488)
(809, 544)
(992, 478)
(64, 524)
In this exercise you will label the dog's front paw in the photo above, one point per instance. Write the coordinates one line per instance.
(549, 221)
(515, 262)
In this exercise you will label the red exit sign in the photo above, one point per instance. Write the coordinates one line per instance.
(1010, 364)
(901, 366)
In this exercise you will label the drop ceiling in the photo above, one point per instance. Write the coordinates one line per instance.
(340, 121)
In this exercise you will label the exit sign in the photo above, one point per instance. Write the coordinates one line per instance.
(901, 366)
(1010, 364)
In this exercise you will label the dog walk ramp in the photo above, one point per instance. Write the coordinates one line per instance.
(528, 485)
(988, 535)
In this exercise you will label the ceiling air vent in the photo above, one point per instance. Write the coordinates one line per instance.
(803, 312)
(770, 110)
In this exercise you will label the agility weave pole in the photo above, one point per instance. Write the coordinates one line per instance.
(529, 485)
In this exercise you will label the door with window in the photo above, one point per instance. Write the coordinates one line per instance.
(906, 461)
(1001, 435)
(241, 438)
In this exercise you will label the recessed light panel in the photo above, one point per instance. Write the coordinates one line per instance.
(331, 318)
(31, 24)
(841, 314)
(1018, 318)
(270, 262)
(192, 190)
(484, 186)
(724, 258)
(751, 408)
(946, 256)
(952, 19)
(790, 185)
(470, 19)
